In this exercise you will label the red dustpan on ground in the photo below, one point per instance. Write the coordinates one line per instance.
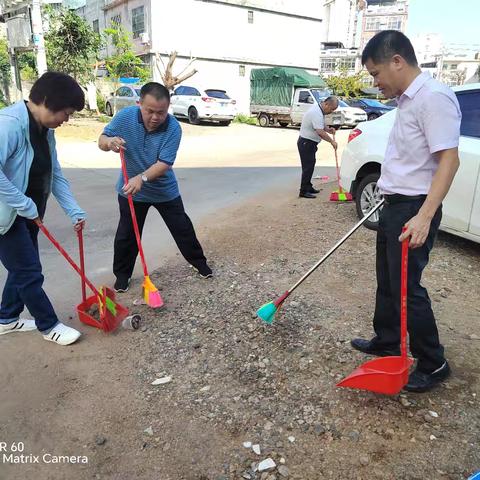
(110, 313)
(387, 375)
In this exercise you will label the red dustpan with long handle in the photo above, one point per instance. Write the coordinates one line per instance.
(387, 375)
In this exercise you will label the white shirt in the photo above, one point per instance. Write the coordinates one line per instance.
(428, 121)
(312, 120)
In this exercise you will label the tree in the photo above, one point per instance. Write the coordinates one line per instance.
(5, 76)
(71, 44)
(345, 84)
(168, 78)
(124, 62)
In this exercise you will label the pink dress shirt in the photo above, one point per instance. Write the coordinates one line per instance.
(427, 121)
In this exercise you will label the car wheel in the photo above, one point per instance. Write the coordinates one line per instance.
(283, 124)
(225, 123)
(193, 116)
(372, 116)
(366, 197)
(109, 110)
(263, 120)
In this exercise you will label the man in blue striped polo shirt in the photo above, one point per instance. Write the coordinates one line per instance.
(151, 137)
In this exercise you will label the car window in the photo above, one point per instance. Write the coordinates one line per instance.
(137, 91)
(305, 97)
(217, 94)
(191, 91)
(341, 103)
(119, 92)
(373, 103)
(354, 103)
(470, 106)
(178, 91)
(128, 92)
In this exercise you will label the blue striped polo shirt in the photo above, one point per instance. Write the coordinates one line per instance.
(146, 148)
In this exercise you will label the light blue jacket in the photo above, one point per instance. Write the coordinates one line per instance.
(16, 157)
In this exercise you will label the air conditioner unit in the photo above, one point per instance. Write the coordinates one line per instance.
(144, 38)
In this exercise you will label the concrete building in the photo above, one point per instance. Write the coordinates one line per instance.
(227, 38)
(382, 15)
(342, 33)
(453, 64)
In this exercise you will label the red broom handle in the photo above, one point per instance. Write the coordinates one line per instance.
(134, 216)
(338, 170)
(403, 297)
(82, 261)
(67, 257)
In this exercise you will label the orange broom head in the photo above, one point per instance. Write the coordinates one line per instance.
(341, 196)
(151, 295)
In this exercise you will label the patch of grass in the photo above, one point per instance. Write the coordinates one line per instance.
(242, 118)
(104, 119)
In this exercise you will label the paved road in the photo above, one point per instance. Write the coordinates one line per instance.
(216, 168)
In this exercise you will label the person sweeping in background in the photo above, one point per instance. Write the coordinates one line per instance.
(420, 163)
(150, 137)
(29, 172)
(312, 132)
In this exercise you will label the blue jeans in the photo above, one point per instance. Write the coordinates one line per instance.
(23, 288)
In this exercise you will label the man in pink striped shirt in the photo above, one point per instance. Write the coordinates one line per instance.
(419, 166)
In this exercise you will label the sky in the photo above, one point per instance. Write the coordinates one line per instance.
(456, 20)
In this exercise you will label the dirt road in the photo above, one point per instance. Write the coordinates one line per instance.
(235, 380)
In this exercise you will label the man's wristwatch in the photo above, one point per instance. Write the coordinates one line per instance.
(144, 178)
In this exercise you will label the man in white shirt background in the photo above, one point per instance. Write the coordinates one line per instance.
(419, 166)
(312, 132)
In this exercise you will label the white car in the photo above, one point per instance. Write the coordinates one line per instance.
(125, 96)
(210, 104)
(351, 116)
(362, 158)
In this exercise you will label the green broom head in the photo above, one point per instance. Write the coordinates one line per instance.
(341, 196)
(267, 312)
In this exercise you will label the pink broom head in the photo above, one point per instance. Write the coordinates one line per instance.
(151, 295)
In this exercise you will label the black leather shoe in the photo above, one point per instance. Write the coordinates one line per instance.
(307, 195)
(369, 347)
(314, 190)
(419, 382)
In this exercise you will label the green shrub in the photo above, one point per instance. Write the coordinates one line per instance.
(242, 118)
(100, 102)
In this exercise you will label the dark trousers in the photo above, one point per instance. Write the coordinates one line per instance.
(23, 288)
(177, 221)
(422, 329)
(307, 150)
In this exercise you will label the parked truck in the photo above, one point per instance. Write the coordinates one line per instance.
(283, 94)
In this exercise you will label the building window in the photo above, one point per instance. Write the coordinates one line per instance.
(116, 19)
(250, 16)
(327, 64)
(394, 23)
(373, 24)
(241, 70)
(95, 26)
(348, 63)
(138, 21)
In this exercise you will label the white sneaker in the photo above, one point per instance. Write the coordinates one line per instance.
(62, 335)
(21, 325)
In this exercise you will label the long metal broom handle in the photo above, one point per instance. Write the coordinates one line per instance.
(340, 242)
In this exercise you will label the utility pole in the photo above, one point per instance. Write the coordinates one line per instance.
(38, 39)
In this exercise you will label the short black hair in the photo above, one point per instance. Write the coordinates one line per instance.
(384, 45)
(332, 100)
(155, 89)
(57, 91)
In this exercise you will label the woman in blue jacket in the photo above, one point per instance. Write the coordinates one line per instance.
(29, 172)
